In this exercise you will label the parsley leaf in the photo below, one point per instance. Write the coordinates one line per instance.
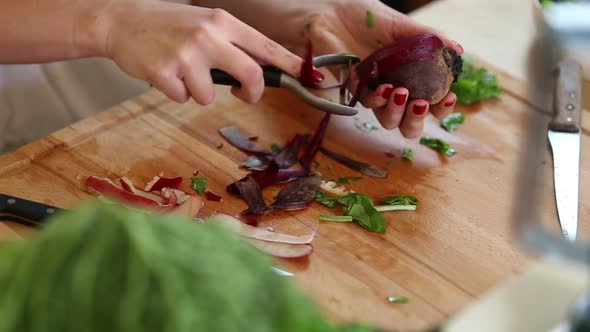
(316, 164)
(322, 198)
(398, 299)
(408, 154)
(362, 211)
(347, 180)
(475, 84)
(276, 148)
(370, 19)
(438, 144)
(399, 200)
(199, 184)
(331, 170)
(452, 122)
(308, 26)
(327, 217)
(389, 165)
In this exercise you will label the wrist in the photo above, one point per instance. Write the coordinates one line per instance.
(91, 27)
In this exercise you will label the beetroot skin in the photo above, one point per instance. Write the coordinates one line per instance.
(421, 63)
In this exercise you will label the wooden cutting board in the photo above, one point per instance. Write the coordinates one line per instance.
(455, 247)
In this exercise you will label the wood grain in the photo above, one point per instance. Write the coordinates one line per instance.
(455, 247)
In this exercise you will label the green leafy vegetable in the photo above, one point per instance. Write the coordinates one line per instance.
(331, 170)
(452, 122)
(361, 209)
(347, 180)
(370, 19)
(398, 299)
(322, 198)
(199, 184)
(438, 144)
(327, 217)
(397, 203)
(276, 148)
(316, 164)
(389, 165)
(122, 270)
(399, 200)
(475, 84)
(408, 154)
(308, 26)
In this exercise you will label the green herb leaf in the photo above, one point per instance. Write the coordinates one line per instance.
(370, 19)
(327, 217)
(399, 200)
(475, 84)
(389, 165)
(398, 299)
(331, 170)
(276, 148)
(408, 154)
(452, 122)
(316, 164)
(322, 198)
(438, 144)
(308, 26)
(199, 184)
(347, 180)
(364, 213)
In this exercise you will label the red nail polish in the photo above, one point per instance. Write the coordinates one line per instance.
(317, 76)
(420, 109)
(387, 93)
(450, 103)
(400, 98)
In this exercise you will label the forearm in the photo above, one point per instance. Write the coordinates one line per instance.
(36, 31)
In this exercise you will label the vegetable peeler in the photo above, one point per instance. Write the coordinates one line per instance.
(274, 77)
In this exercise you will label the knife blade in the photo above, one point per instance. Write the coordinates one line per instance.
(564, 136)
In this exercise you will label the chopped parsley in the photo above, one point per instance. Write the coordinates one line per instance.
(452, 122)
(475, 84)
(347, 180)
(199, 184)
(408, 154)
(438, 144)
(370, 19)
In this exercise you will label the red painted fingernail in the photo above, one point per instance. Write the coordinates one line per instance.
(387, 93)
(420, 109)
(450, 103)
(400, 98)
(317, 76)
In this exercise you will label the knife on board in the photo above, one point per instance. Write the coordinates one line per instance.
(565, 139)
(34, 214)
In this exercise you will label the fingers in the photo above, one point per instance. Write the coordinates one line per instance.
(243, 68)
(391, 115)
(413, 121)
(377, 98)
(171, 85)
(256, 44)
(199, 83)
(445, 106)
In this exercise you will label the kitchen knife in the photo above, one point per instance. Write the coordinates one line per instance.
(565, 138)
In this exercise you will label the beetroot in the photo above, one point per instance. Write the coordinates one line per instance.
(421, 63)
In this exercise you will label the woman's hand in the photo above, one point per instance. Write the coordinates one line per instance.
(174, 46)
(338, 26)
(346, 27)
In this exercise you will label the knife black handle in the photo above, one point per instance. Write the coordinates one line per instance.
(272, 77)
(24, 211)
(567, 101)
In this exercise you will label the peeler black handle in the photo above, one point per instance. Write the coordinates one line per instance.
(24, 211)
(272, 77)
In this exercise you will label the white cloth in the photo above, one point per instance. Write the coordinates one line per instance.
(38, 99)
